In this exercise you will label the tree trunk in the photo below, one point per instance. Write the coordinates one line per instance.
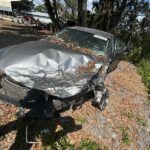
(56, 14)
(73, 12)
(80, 2)
(85, 13)
(82, 12)
(52, 13)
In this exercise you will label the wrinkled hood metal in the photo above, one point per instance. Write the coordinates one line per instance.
(42, 65)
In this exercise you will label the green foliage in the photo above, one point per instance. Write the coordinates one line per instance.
(22, 5)
(40, 8)
(144, 69)
(141, 122)
(111, 15)
(129, 115)
(140, 56)
(69, 16)
(88, 145)
(125, 136)
(81, 120)
(71, 7)
(148, 147)
(148, 102)
(145, 43)
(135, 55)
(62, 144)
(71, 3)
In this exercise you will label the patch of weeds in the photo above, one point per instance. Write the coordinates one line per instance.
(144, 69)
(90, 145)
(148, 102)
(81, 120)
(125, 136)
(63, 144)
(47, 142)
(46, 147)
(129, 115)
(148, 148)
(135, 55)
(141, 122)
(87, 113)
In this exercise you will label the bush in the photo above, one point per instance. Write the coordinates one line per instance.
(135, 55)
(144, 69)
(140, 57)
(145, 43)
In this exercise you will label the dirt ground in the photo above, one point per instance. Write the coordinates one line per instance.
(12, 33)
(123, 125)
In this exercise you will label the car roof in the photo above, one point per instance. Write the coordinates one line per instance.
(93, 31)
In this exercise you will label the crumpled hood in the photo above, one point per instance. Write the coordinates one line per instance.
(40, 64)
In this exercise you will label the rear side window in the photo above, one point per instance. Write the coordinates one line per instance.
(119, 45)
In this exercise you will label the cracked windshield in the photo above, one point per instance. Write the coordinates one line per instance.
(83, 39)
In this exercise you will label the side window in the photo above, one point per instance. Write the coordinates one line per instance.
(118, 45)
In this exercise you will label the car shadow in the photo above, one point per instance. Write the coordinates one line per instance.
(46, 129)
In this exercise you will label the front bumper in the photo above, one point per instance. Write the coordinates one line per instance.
(37, 99)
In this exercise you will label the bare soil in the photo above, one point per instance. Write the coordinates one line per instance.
(12, 33)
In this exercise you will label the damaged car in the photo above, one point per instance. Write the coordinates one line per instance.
(59, 73)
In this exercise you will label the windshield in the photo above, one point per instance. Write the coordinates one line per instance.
(96, 43)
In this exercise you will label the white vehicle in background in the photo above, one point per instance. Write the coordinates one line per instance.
(42, 17)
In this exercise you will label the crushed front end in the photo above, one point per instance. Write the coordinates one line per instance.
(42, 74)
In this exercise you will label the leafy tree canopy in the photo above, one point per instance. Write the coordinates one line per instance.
(40, 8)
